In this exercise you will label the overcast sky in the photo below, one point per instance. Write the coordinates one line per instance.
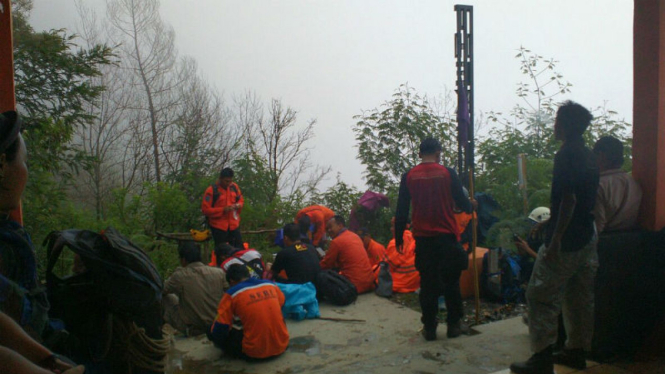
(331, 59)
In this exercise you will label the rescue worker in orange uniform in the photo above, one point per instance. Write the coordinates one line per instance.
(318, 216)
(347, 254)
(406, 277)
(249, 321)
(375, 251)
(222, 205)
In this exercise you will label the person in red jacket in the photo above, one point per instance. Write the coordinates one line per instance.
(433, 191)
(249, 321)
(222, 205)
(318, 216)
(347, 254)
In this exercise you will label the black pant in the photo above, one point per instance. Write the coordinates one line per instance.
(227, 236)
(232, 346)
(437, 260)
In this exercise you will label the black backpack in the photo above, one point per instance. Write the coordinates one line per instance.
(119, 288)
(336, 288)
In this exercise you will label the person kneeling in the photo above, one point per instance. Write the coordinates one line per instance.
(249, 321)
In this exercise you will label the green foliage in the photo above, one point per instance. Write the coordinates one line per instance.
(340, 198)
(529, 129)
(52, 89)
(52, 77)
(171, 210)
(388, 138)
(501, 183)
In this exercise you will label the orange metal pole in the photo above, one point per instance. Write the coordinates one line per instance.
(7, 96)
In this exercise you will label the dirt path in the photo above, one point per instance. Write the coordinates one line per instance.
(387, 342)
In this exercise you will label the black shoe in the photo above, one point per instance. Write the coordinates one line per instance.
(539, 363)
(429, 334)
(573, 358)
(457, 329)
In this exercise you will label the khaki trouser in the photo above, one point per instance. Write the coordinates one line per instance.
(564, 283)
(171, 304)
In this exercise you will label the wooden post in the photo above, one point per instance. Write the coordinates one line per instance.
(7, 97)
(649, 109)
(521, 178)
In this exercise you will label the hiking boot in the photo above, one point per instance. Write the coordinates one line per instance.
(456, 329)
(429, 334)
(573, 358)
(539, 363)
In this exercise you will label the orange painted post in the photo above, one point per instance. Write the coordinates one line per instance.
(7, 97)
(649, 109)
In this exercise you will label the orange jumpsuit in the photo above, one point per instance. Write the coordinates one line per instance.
(318, 215)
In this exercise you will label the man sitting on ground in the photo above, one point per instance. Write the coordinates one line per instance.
(249, 321)
(228, 255)
(619, 196)
(346, 253)
(298, 260)
(192, 292)
(375, 251)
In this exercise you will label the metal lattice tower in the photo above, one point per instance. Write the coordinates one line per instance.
(464, 57)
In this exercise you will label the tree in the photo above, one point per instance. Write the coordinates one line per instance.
(277, 144)
(529, 129)
(53, 92)
(107, 135)
(148, 52)
(53, 88)
(389, 138)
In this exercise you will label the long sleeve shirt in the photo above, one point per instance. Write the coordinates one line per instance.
(433, 191)
(347, 254)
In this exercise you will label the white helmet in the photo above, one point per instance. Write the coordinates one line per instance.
(540, 214)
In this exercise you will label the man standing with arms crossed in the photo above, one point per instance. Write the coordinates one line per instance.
(564, 271)
(434, 190)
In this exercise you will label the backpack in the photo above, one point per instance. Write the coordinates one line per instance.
(118, 293)
(384, 281)
(336, 288)
(500, 281)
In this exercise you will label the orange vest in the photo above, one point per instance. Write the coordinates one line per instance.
(406, 277)
(217, 217)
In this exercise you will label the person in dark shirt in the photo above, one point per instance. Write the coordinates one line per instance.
(299, 260)
(564, 271)
(528, 248)
(434, 191)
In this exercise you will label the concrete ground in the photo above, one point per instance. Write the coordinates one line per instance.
(387, 341)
